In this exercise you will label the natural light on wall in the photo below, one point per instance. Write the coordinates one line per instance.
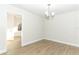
(11, 32)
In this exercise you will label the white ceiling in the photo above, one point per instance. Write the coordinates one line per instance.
(62, 8)
(40, 9)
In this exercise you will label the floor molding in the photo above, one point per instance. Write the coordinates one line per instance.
(55, 40)
(31, 42)
(68, 43)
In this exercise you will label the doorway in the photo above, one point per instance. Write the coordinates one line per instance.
(14, 29)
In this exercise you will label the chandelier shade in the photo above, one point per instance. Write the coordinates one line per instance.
(48, 12)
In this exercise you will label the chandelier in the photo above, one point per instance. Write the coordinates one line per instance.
(48, 12)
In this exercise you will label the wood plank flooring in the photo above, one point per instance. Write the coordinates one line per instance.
(42, 47)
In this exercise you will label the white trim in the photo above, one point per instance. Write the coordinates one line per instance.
(3, 51)
(31, 42)
(55, 40)
(68, 43)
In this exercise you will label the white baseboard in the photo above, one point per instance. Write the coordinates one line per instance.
(31, 42)
(3, 51)
(68, 43)
(55, 40)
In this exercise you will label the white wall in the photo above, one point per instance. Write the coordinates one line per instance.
(64, 28)
(32, 25)
(32, 28)
(2, 29)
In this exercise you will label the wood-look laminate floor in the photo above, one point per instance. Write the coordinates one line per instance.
(42, 47)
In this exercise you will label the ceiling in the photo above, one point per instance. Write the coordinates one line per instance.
(40, 9)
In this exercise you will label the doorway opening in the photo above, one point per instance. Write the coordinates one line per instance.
(14, 29)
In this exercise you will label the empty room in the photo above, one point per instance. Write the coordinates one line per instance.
(39, 29)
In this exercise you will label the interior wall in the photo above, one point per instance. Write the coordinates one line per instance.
(64, 28)
(32, 25)
(2, 29)
(32, 28)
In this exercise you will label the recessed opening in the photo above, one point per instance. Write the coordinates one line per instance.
(14, 29)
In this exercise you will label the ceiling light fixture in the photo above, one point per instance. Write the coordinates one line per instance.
(48, 12)
(53, 14)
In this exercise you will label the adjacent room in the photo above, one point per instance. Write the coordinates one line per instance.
(39, 29)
